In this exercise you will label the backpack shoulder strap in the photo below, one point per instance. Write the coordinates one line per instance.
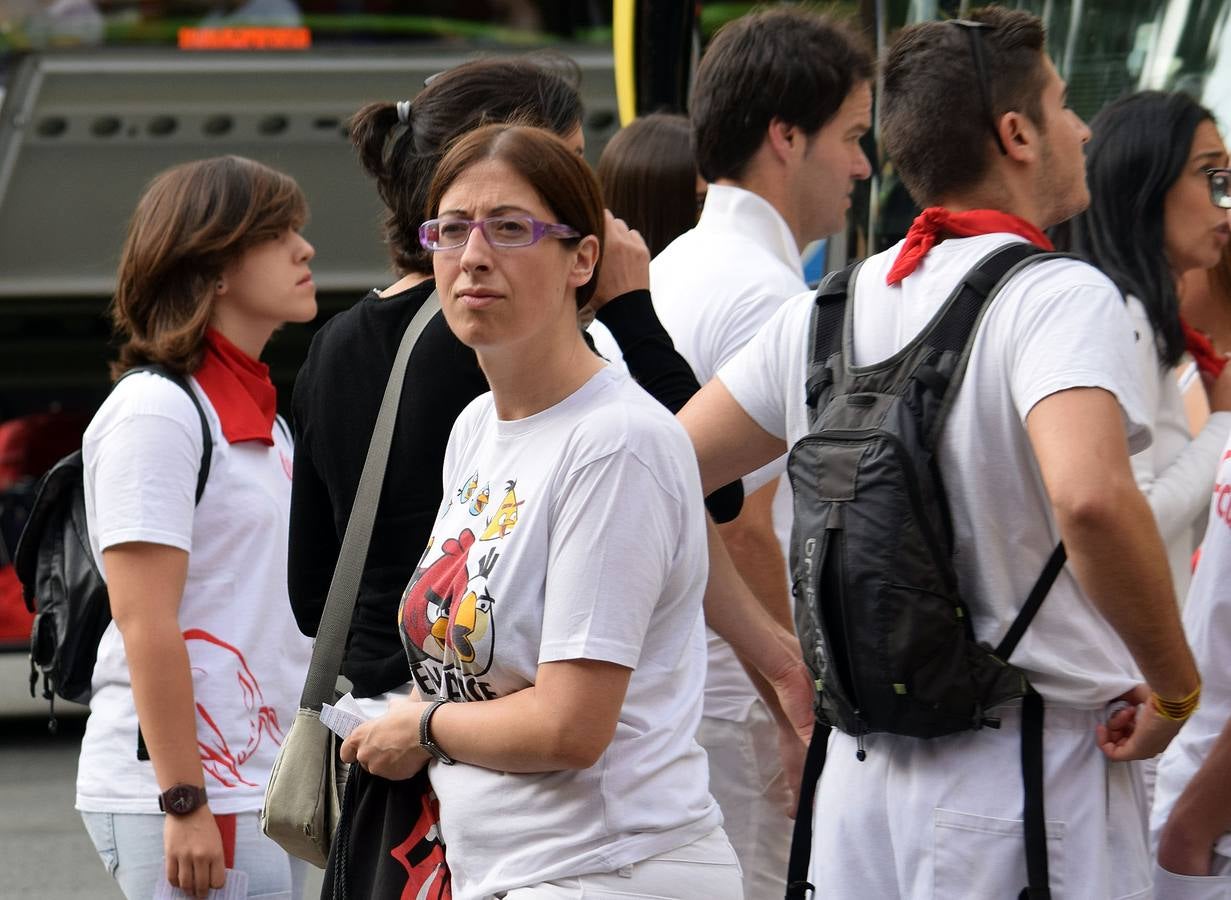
(207, 441)
(826, 330)
(955, 326)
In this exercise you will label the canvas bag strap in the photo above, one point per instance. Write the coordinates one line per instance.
(331, 634)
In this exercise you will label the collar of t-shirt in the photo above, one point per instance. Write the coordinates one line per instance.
(754, 218)
(239, 389)
(936, 223)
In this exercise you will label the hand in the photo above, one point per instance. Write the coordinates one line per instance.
(389, 746)
(792, 683)
(1219, 391)
(1183, 850)
(1137, 732)
(792, 751)
(626, 263)
(192, 848)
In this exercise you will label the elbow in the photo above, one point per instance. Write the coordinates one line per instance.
(1094, 508)
(575, 748)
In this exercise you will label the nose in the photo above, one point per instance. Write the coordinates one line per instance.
(1085, 130)
(863, 168)
(306, 250)
(476, 251)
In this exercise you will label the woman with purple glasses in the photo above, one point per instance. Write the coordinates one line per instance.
(554, 621)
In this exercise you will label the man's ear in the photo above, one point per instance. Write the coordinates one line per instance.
(784, 140)
(585, 261)
(1021, 138)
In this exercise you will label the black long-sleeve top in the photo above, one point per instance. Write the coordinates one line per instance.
(335, 402)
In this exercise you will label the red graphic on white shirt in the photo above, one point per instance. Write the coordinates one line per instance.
(434, 594)
(231, 735)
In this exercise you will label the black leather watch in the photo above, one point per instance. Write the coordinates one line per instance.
(182, 799)
(425, 733)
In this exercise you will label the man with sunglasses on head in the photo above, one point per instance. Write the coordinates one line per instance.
(1034, 449)
(780, 101)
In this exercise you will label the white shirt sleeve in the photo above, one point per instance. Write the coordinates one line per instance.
(1076, 336)
(1179, 492)
(767, 374)
(144, 472)
(614, 537)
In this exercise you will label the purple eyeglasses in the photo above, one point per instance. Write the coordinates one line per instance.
(499, 231)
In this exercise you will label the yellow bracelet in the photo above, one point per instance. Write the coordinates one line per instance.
(1176, 710)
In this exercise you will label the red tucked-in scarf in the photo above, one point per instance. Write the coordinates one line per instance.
(239, 389)
(936, 223)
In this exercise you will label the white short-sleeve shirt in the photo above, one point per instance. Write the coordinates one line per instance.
(142, 453)
(574, 533)
(1057, 325)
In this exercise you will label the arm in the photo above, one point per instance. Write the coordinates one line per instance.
(753, 545)
(1114, 549)
(1201, 815)
(145, 582)
(565, 720)
(1178, 492)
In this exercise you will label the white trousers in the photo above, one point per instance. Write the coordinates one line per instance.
(706, 868)
(1215, 886)
(941, 819)
(747, 780)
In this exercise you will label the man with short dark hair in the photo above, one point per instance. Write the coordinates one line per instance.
(1035, 448)
(780, 101)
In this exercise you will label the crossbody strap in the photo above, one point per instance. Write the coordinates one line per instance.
(330, 644)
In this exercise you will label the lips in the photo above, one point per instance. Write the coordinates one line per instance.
(476, 298)
(307, 279)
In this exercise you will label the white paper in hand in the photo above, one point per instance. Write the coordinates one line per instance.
(343, 717)
(235, 888)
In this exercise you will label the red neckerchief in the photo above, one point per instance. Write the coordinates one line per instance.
(936, 223)
(1208, 359)
(239, 389)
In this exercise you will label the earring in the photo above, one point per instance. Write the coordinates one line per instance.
(219, 286)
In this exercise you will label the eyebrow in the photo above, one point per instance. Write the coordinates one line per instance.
(1213, 155)
(494, 211)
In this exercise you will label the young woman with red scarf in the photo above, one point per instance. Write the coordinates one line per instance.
(203, 651)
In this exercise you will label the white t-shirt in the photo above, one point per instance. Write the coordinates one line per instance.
(1207, 624)
(1176, 472)
(142, 453)
(1056, 325)
(714, 287)
(575, 533)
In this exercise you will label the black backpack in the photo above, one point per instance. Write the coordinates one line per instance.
(882, 624)
(60, 581)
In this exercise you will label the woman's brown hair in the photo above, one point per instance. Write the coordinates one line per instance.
(401, 154)
(191, 223)
(649, 178)
(561, 178)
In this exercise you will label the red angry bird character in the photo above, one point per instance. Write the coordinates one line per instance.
(432, 593)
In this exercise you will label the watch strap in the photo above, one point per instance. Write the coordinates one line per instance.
(425, 733)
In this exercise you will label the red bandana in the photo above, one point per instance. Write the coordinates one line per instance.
(936, 223)
(1208, 360)
(239, 389)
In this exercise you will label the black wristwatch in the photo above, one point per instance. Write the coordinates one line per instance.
(181, 799)
(425, 733)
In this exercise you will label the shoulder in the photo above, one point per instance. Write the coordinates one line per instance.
(620, 417)
(145, 394)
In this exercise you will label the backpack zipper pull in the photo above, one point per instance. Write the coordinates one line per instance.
(860, 753)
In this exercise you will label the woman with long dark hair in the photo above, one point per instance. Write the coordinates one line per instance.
(1151, 220)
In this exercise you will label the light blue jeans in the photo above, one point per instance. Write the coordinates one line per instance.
(130, 845)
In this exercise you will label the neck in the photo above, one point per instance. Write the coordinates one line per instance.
(1003, 194)
(405, 283)
(249, 337)
(1202, 309)
(772, 190)
(529, 379)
